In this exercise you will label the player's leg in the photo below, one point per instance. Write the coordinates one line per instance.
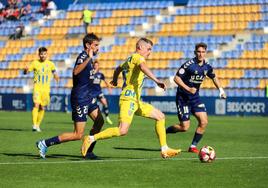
(127, 110)
(199, 111)
(183, 116)
(40, 117)
(37, 102)
(77, 134)
(98, 120)
(147, 110)
(79, 116)
(105, 108)
(45, 100)
(202, 124)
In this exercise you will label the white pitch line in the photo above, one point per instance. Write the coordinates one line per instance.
(124, 160)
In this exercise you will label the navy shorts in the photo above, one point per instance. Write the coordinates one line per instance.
(185, 105)
(81, 111)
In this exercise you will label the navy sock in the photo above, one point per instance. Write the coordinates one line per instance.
(171, 129)
(106, 110)
(90, 149)
(52, 141)
(197, 138)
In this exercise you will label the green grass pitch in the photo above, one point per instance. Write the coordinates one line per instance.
(241, 145)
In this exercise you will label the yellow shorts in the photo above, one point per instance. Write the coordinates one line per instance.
(130, 107)
(41, 97)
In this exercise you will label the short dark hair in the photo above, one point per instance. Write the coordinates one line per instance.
(95, 61)
(89, 38)
(42, 49)
(201, 44)
(148, 41)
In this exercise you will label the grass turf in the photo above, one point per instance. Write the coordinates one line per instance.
(134, 160)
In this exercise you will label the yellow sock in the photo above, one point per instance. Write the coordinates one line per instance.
(107, 133)
(34, 115)
(40, 117)
(161, 132)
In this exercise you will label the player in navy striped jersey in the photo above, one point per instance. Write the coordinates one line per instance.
(189, 78)
(82, 102)
(97, 92)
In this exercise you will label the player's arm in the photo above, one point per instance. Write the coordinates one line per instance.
(27, 68)
(80, 67)
(56, 77)
(181, 84)
(117, 71)
(216, 82)
(218, 86)
(149, 73)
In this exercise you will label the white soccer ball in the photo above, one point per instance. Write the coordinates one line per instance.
(207, 154)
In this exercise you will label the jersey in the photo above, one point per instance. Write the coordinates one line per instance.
(82, 101)
(192, 74)
(87, 16)
(133, 77)
(43, 72)
(82, 82)
(96, 87)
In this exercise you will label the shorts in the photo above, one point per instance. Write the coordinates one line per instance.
(130, 107)
(81, 111)
(186, 105)
(41, 97)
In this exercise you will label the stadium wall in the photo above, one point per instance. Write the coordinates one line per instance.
(241, 106)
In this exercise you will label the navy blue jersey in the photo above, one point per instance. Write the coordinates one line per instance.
(98, 77)
(192, 74)
(82, 82)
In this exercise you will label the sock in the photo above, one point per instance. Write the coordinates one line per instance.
(107, 133)
(196, 139)
(52, 141)
(171, 129)
(164, 148)
(34, 115)
(161, 132)
(40, 117)
(106, 110)
(90, 149)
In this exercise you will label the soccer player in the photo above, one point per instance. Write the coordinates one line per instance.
(189, 78)
(134, 69)
(82, 102)
(97, 93)
(43, 70)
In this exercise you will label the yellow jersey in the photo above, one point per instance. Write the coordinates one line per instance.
(42, 74)
(133, 77)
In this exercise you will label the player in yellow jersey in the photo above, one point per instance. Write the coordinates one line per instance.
(43, 71)
(130, 103)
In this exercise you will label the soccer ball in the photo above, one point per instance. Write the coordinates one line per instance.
(207, 154)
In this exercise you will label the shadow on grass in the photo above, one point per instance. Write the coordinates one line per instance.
(139, 149)
(36, 156)
(8, 129)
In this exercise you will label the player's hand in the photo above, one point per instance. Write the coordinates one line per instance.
(113, 83)
(162, 85)
(89, 52)
(25, 70)
(192, 90)
(222, 94)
